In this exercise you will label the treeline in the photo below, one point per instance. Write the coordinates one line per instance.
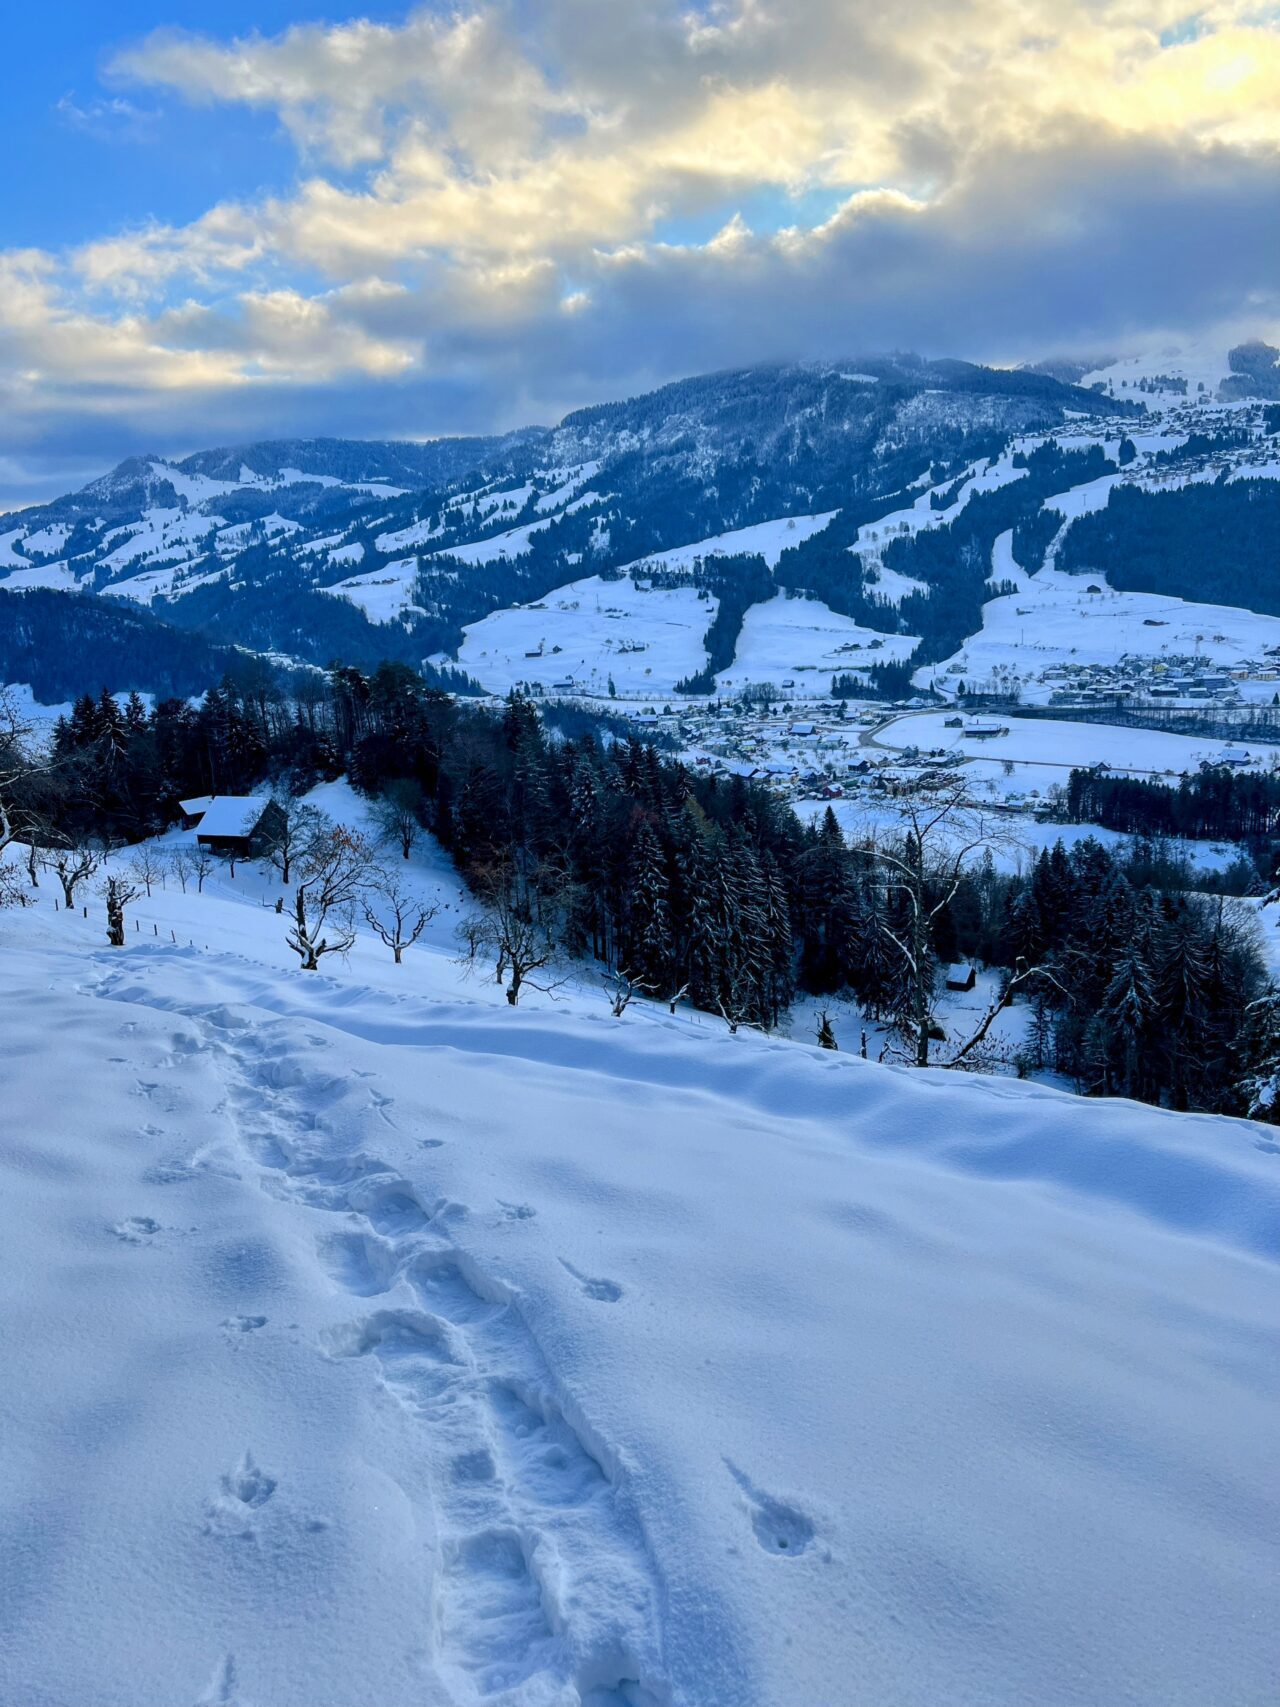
(736, 583)
(45, 637)
(1212, 543)
(688, 885)
(1212, 803)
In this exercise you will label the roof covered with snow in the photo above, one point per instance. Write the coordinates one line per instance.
(233, 814)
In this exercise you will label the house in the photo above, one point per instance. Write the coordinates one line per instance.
(237, 824)
(194, 810)
(953, 723)
(801, 729)
(961, 976)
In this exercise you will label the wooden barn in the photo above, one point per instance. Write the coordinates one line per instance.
(236, 824)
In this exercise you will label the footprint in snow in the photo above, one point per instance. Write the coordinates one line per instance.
(517, 1211)
(136, 1229)
(244, 1324)
(243, 1491)
(603, 1291)
(779, 1527)
(221, 1690)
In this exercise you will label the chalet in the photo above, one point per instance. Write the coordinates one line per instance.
(961, 976)
(237, 824)
(953, 723)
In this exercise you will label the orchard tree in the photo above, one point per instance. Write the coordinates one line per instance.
(117, 891)
(332, 874)
(73, 865)
(395, 913)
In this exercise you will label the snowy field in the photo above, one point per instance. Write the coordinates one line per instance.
(784, 636)
(1059, 746)
(1053, 618)
(762, 539)
(590, 621)
(383, 594)
(369, 1341)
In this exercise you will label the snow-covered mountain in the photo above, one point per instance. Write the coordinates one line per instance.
(877, 488)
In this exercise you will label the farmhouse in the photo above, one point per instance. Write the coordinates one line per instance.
(237, 824)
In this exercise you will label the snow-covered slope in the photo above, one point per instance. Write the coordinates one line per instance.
(423, 543)
(368, 1341)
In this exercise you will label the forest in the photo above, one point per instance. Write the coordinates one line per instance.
(1212, 543)
(1214, 803)
(706, 889)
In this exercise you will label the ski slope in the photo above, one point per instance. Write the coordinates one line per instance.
(366, 1340)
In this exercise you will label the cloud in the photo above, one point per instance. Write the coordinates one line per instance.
(484, 230)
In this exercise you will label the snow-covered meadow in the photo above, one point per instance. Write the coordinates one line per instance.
(368, 1340)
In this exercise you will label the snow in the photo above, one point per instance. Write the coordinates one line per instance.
(873, 537)
(782, 636)
(353, 553)
(513, 543)
(367, 1340)
(418, 533)
(893, 585)
(591, 621)
(232, 814)
(9, 558)
(56, 575)
(383, 594)
(45, 541)
(162, 534)
(762, 539)
(195, 488)
(236, 538)
(1198, 362)
(1044, 751)
(567, 482)
(1054, 619)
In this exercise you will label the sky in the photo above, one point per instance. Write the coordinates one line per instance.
(268, 218)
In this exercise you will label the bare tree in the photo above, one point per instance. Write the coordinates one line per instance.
(622, 987)
(117, 891)
(180, 866)
(826, 1036)
(149, 866)
(73, 865)
(1023, 974)
(515, 925)
(332, 874)
(922, 873)
(20, 819)
(398, 814)
(12, 892)
(397, 915)
(292, 829)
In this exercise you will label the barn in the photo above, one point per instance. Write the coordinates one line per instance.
(237, 824)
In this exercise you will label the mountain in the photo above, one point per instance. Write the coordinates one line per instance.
(877, 488)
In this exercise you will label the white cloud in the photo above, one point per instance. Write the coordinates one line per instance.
(487, 195)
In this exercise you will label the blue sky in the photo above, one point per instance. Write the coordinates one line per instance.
(270, 218)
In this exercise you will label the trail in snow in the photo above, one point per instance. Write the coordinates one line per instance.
(544, 1586)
